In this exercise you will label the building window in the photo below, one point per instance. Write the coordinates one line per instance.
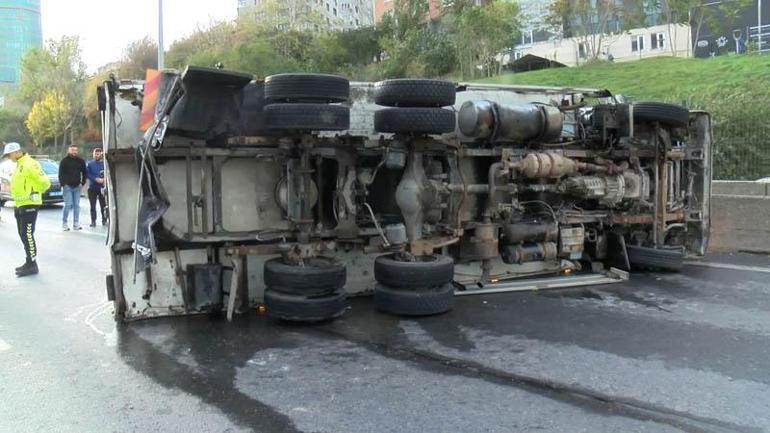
(637, 43)
(582, 50)
(658, 41)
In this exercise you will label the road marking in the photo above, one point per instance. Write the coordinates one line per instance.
(4, 346)
(94, 314)
(729, 266)
(84, 232)
(73, 316)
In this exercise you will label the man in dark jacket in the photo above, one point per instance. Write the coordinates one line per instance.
(95, 170)
(72, 176)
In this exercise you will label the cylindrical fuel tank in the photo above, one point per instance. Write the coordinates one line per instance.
(519, 232)
(529, 252)
(510, 122)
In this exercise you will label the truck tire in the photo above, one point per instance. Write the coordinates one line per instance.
(654, 258)
(431, 271)
(415, 121)
(407, 92)
(297, 308)
(110, 286)
(317, 88)
(313, 117)
(668, 114)
(424, 302)
(320, 275)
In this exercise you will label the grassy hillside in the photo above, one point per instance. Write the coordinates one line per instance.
(735, 89)
(702, 81)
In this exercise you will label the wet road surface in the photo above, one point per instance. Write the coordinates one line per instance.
(685, 352)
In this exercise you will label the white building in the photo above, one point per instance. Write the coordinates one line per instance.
(339, 14)
(640, 43)
(540, 40)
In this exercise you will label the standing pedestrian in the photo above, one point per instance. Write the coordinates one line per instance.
(72, 176)
(28, 183)
(95, 170)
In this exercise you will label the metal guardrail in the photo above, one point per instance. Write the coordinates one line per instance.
(761, 36)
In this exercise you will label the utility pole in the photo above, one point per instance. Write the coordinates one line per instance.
(160, 34)
(759, 25)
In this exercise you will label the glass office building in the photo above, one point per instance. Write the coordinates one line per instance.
(20, 30)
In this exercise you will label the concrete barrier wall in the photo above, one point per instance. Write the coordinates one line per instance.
(740, 216)
(740, 187)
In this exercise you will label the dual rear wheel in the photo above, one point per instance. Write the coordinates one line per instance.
(314, 291)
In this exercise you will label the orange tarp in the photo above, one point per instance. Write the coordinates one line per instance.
(150, 100)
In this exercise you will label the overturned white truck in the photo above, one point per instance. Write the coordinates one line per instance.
(303, 189)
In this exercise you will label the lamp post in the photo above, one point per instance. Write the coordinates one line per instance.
(160, 34)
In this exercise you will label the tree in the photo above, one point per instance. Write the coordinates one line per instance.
(56, 68)
(49, 118)
(138, 57)
(12, 127)
(481, 33)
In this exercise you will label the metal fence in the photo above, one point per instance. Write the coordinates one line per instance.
(742, 143)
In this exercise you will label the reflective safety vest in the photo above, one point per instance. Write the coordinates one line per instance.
(28, 182)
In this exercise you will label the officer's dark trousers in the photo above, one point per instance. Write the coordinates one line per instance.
(26, 216)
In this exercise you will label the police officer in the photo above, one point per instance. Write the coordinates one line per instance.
(28, 183)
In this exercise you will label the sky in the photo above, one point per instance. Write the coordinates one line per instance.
(106, 27)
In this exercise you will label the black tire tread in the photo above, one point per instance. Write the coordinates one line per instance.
(415, 121)
(669, 114)
(406, 92)
(651, 258)
(316, 117)
(306, 88)
(295, 308)
(413, 275)
(426, 302)
(307, 279)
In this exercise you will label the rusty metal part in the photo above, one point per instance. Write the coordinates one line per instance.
(543, 165)
(421, 247)
(494, 170)
(414, 196)
(480, 188)
(484, 243)
(603, 166)
(645, 218)
(510, 122)
(253, 250)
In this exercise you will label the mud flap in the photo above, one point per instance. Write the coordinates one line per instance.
(205, 287)
(617, 254)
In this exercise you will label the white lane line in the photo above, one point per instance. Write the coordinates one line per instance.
(4, 346)
(72, 232)
(729, 266)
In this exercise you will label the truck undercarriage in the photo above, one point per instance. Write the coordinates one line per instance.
(303, 189)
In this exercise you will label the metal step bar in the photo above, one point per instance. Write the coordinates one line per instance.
(614, 275)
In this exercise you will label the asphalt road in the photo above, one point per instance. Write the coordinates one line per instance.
(663, 353)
